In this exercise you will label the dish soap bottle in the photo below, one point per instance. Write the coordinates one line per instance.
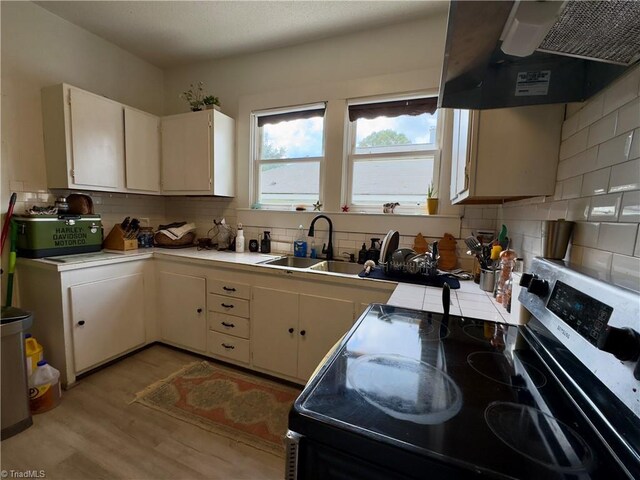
(265, 243)
(240, 240)
(314, 251)
(362, 254)
(300, 245)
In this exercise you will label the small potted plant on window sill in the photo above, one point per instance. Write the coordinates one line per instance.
(211, 102)
(432, 201)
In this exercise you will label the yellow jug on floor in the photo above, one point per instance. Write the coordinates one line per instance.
(34, 353)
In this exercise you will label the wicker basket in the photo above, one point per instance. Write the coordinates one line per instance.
(161, 240)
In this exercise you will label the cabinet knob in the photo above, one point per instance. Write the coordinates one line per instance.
(291, 330)
(303, 332)
(81, 322)
(199, 310)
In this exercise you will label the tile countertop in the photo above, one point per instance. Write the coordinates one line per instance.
(468, 300)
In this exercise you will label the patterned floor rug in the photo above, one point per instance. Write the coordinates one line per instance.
(239, 406)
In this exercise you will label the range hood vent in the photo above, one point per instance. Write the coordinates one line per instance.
(584, 47)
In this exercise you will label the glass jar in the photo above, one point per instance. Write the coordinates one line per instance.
(507, 262)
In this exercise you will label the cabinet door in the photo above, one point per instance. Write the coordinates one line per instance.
(107, 319)
(186, 153)
(322, 322)
(182, 310)
(142, 150)
(97, 140)
(274, 330)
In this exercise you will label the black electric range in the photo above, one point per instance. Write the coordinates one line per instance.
(411, 395)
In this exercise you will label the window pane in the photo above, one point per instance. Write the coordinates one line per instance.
(400, 180)
(405, 132)
(293, 139)
(289, 183)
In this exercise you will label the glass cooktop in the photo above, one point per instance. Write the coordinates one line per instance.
(466, 392)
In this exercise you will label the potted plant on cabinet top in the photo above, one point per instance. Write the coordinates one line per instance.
(432, 201)
(194, 97)
(211, 102)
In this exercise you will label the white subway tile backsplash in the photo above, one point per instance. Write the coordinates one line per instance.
(585, 234)
(605, 207)
(596, 183)
(557, 193)
(621, 91)
(597, 259)
(574, 144)
(557, 210)
(571, 188)
(628, 268)
(578, 209)
(634, 149)
(602, 130)
(617, 237)
(578, 164)
(628, 117)
(569, 127)
(636, 251)
(616, 150)
(630, 207)
(575, 254)
(625, 176)
(574, 108)
(591, 111)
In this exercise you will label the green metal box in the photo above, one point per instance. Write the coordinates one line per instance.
(50, 235)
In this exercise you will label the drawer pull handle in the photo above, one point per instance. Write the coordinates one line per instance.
(229, 289)
(226, 306)
(230, 325)
(228, 347)
(81, 322)
(291, 330)
(303, 332)
(199, 310)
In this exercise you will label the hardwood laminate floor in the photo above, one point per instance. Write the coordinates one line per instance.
(96, 433)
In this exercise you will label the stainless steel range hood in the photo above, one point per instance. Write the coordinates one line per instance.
(585, 45)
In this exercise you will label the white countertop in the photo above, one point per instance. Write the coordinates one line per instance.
(468, 300)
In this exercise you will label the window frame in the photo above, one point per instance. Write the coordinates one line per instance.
(406, 152)
(257, 162)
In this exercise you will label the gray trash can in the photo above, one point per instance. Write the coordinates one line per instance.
(15, 390)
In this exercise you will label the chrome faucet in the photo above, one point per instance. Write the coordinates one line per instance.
(329, 249)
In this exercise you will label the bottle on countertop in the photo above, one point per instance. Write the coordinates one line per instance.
(265, 243)
(362, 254)
(240, 239)
(313, 250)
(374, 252)
(300, 244)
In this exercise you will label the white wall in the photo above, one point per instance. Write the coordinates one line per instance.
(40, 49)
(598, 185)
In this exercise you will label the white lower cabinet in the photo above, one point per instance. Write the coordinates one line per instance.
(293, 332)
(182, 310)
(107, 319)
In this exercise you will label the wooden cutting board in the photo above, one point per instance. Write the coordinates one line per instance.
(420, 244)
(448, 255)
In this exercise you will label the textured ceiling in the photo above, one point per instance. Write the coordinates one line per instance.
(171, 33)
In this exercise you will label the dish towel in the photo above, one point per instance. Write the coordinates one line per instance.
(177, 233)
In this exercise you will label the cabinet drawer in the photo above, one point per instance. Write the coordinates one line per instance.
(227, 346)
(230, 289)
(228, 305)
(229, 324)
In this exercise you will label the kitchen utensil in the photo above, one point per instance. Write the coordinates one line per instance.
(495, 252)
(368, 265)
(473, 244)
(12, 261)
(417, 263)
(487, 279)
(555, 238)
(389, 245)
(125, 223)
(446, 300)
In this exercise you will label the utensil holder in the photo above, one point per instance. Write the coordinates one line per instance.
(487, 279)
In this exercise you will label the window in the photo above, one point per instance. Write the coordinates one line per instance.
(288, 153)
(394, 151)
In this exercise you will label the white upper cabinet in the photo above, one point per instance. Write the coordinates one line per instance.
(506, 153)
(197, 154)
(84, 140)
(142, 151)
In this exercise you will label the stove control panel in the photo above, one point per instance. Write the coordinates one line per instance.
(584, 314)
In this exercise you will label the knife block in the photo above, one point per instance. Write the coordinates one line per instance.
(116, 241)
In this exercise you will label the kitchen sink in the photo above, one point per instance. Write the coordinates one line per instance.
(338, 267)
(293, 262)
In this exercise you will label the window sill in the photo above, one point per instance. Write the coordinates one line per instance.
(364, 213)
